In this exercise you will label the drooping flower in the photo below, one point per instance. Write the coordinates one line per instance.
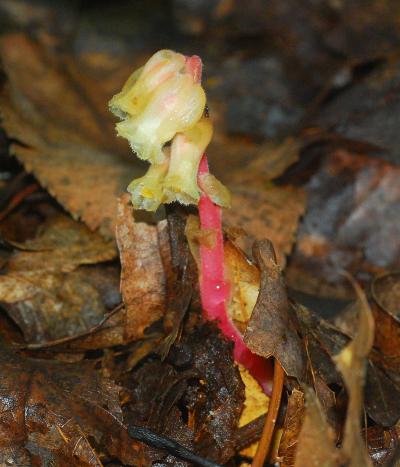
(186, 151)
(158, 101)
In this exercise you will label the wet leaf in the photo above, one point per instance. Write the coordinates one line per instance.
(51, 288)
(386, 309)
(382, 444)
(199, 377)
(58, 413)
(143, 282)
(181, 274)
(271, 329)
(367, 111)
(347, 198)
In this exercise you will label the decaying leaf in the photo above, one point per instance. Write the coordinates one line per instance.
(244, 278)
(61, 135)
(198, 376)
(57, 413)
(386, 309)
(291, 429)
(181, 274)
(258, 210)
(316, 442)
(323, 341)
(383, 445)
(367, 111)
(348, 197)
(51, 288)
(61, 245)
(143, 281)
(271, 329)
(351, 362)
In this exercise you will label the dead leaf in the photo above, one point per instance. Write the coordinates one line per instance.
(271, 329)
(348, 197)
(382, 444)
(386, 294)
(143, 281)
(57, 412)
(258, 210)
(291, 429)
(244, 278)
(67, 144)
(323, 341)
(316, 442)
(49, 294)
(199, 377)
(351, 362)
(61, 245)
(367, 111)
(181, 274)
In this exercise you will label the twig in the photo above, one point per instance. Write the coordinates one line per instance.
(249, 433)
(64, 340)
(266, 437)
(18, 199)
(172, 447)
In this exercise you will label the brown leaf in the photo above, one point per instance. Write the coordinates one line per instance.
(291, 429)
(49, 294)
(143, 281)
(61, 245)
(63, 139)
(258, 210)
(323, 341)
(316, 442)
(244, 279)
(351, 362)
(382, 444)
(57, 413)
(181, 274)
(386, 294)
(358, 112)
(339, 231)
(271, 329)
(198, 376)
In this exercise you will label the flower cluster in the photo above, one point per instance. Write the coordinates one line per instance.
(161, 107)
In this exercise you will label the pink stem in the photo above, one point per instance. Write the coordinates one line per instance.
(214, 290)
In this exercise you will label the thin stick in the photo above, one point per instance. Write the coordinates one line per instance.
(266, 437)
(172, 447)
(64, 340)
(18, 199)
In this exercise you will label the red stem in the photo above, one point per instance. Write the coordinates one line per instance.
(214, 290)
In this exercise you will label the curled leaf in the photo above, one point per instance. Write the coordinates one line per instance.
(215, 190)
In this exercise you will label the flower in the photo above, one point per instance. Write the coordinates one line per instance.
(186, 150)
(157, 102)
(147, 191)
(164, 102)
